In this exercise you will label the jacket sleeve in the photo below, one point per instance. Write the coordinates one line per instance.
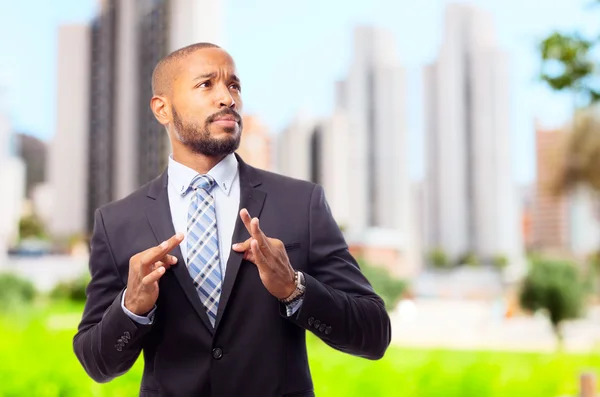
(339, 304)
(108, 342)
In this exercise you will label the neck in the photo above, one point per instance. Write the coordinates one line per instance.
(198, 162)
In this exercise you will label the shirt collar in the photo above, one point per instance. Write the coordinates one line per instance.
(224, 173)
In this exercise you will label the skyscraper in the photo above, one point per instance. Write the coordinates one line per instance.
(372, 97)
(12, 175)
(295, 152)
(69, 156)
(471, 198)
(359, 155)
(129, 147)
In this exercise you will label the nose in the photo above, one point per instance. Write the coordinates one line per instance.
(225, 99)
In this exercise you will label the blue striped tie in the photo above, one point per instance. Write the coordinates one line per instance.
(203, 245)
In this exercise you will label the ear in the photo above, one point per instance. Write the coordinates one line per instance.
(160, 108)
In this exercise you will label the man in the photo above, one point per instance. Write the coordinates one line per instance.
(212, 318)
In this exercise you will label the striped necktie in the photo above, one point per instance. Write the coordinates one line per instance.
(203, 245)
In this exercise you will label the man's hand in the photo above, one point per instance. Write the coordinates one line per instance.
(269, 256)
(145, 269)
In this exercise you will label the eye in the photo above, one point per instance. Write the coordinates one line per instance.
(203, 84)
(236, 86)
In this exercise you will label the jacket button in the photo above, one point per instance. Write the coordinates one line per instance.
(317, 323)
(322, 327)
(217, 353)
(127, 335)
(328, 330)
(311, 320)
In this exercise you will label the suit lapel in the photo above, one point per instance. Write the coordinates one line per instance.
(159, 217)
(253, 200)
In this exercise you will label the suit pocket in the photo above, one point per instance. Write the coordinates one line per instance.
(291, 246)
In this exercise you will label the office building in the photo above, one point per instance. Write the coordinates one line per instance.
(472, 202)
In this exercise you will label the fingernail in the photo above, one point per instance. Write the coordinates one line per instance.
(234, 246)
(161, 269)
(175, 259)
(164, 244)
(179, 235)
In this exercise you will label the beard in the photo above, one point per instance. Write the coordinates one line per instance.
(199, 140)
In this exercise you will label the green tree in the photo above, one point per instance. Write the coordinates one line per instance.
(500, 261)
(438, 258)
(15, 292)
(32, 227)
(468, 258)
(385, 285)
(557, 288)
(74, 290)
(569, 64)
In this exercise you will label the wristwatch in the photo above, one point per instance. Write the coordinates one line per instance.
(299, 291)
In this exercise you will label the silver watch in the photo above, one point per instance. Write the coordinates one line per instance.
(300, 288)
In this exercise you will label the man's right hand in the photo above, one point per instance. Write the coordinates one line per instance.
(145, 269)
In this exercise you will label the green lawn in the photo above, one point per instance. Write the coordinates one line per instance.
(36, 360)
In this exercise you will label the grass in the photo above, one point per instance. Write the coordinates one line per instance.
(36, 359)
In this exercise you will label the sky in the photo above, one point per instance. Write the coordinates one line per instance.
(289, 54)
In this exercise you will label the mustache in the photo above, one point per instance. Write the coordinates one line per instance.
(224, 112)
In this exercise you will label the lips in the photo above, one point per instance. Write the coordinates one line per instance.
(227, 118)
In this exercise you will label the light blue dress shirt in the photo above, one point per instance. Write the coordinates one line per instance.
(227, 202)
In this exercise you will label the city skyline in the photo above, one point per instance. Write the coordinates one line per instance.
(517, 33)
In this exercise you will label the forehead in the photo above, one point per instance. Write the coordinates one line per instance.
(206, 61)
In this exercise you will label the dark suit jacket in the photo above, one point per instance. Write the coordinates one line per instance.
(254, 349)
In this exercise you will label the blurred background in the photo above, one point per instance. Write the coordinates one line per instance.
(458, 144)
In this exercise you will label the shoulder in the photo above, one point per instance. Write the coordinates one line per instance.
(275, 180)
(292, 190)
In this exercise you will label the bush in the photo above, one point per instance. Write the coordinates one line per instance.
(438, 259)
(468, 259)
(15, 291)
(500, 261)
(73, 290)
(557, 288)
(388, 287)
(32, 227)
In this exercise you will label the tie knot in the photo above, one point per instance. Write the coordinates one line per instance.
(205, 182)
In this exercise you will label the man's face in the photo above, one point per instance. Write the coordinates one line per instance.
(206, 101)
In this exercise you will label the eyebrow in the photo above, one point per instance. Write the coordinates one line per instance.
(213, 75)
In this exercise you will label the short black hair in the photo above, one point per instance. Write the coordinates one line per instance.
(161, 76)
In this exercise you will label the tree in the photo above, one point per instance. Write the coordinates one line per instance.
(469, 258)
(500, 261)
(31, 226)
(385, 285)
(557, 288)
(568, 65)
(438, 258)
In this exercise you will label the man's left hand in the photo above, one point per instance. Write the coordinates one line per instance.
(269, 256)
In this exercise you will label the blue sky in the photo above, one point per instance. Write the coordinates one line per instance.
(290, 53)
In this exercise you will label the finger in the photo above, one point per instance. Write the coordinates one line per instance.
(156, 253)
(245, 215)
(259, 257)
(259, 236)
(242, 247)
(169, 259)
(249, 256)
(153, 276)
(164, 264)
